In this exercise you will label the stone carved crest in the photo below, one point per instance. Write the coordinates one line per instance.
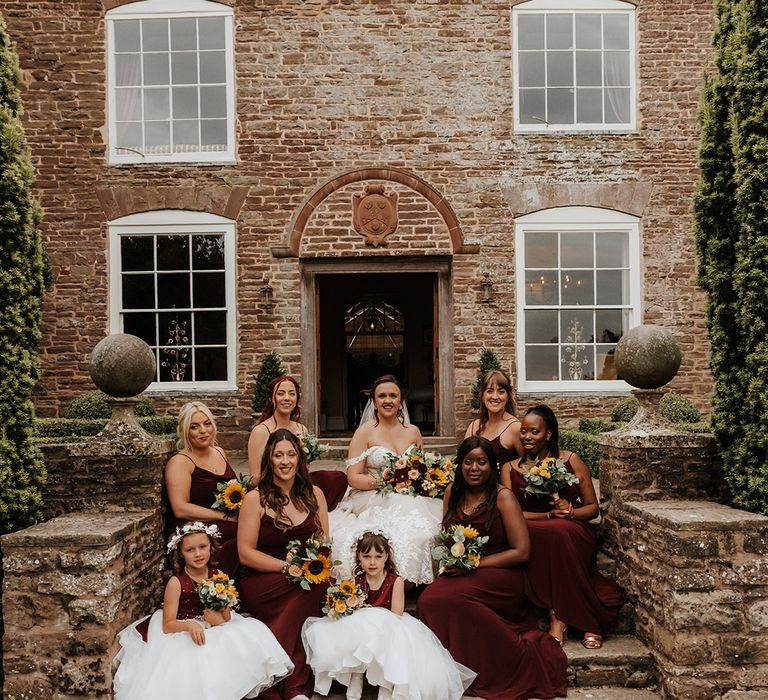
(374, 213)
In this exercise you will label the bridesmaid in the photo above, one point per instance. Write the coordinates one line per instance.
(497, 421)
(482, 616)
(284, 507)
(191, 477)
(281, 410)
(561, 575)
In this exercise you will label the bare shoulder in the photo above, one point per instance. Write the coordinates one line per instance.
(504, 496)
(180, 461)
(414, 433)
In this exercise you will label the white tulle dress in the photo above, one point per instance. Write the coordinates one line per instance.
(411, 523)
(240, 658)
(396, 652)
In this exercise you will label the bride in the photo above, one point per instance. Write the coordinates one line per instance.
(410, 522)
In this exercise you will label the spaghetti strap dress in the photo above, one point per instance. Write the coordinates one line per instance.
(561, 574)
(484, 620)
(503, 454)
(283, 605)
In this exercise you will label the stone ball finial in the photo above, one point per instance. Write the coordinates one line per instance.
(647, 357)
(122, 365)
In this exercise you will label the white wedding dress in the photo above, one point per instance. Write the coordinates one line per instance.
(411, 523)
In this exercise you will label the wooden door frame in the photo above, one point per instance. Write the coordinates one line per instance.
(445, 423)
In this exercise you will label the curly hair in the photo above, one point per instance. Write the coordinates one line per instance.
(269, 407)
(177, 561)
(302, 494)
(459, 487)
(379, 542)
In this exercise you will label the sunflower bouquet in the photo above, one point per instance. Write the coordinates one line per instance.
(459, 546)
(416, 473)
(343, 598)
(308, 563)
(547, 477)
(230, 495)
(311, 446)
(217, 592)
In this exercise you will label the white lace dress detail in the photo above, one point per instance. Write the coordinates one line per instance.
(411, 523)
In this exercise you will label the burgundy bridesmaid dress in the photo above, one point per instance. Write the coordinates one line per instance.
(485, 622)
(561, 574)
(382, 596)
(282, 605)
(332, 483)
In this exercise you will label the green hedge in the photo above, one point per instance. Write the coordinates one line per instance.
(674, 407)
(584, 444)
(95, 404)
(49, 430)
(593, 426)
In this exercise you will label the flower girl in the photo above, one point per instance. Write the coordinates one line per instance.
(192, 652)
(394, 650)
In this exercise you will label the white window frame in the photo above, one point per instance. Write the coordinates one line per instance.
(168, 222)
(576, 7)
(574, 219)
(171, 9)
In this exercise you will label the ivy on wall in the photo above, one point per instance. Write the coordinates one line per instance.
(731, 222)
(21, 290)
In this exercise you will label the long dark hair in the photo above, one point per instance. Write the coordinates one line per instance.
(550, 420)
(268, 409)
(387, 379)
(501, 379)
(302, 494)
(459, 487)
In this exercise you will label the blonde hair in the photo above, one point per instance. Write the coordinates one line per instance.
(185, 420)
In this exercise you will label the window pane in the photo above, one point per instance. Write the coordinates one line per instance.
(559, 68)
(210, 328)
(210, 364)
(156, 69)
(617, 68)
(209, 289)
(540, 249)
(612, 287)
(138, 291)
(157, 134)
(186, 135)
(560, 31)
(606, 362)
(127, 69)
(576, 326)
(588, 31)
(531, 66)
(212, 35)
(183, 34)
(173, 290)
(213, 132)
(172, 252)
(175, 328)
(208, 252)
(541, 363)
(136, 253)
(127, 35)
(530, 34)
(532, 109)
(185, 102)
(589, 105)
(213, 67)
(576, 249)
(560, 106)
(541, 326)
(175, 364)
(127, 104)
(184, 68)
(157, 103)
(155, 34)
(577, 362)
(617, 105)
(611, 324)
(129, 135)
(141, 325)
(612, 249)
(589, 68)
(213, 101)
(577, 287)
(541, 288)
(616, 31)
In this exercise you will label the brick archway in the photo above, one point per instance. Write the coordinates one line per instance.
(443, 208)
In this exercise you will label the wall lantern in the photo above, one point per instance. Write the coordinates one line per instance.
(266, 297)
(486, 289)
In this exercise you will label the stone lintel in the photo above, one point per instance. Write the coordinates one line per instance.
(83, 528)
(134, 446)
(696, 515)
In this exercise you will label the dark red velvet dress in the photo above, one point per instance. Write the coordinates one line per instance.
(485, 622)
(381, 597)
(282, 605)
(561, 573)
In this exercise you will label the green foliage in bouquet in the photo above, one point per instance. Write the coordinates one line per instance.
(270, 368)
(95, 404)
(488, 361)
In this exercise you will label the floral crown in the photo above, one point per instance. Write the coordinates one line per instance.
(188, 529)
(371, 531)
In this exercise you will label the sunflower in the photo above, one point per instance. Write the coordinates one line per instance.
(437, 476)
(347, 587)
(341, 607)
(470, 533)
(233, 496)
(317, 570)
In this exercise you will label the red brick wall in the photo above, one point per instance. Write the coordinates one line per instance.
(327, 87)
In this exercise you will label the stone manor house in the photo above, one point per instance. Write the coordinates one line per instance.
(366, 187)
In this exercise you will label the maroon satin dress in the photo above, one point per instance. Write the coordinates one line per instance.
(485, 622)
(282, 605)
(202, 492)
(332, 483)
(382, 596)
(502, 454)
(190, 606)
(561, 574)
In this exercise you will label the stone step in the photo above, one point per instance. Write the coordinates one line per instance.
(623, 662)
(444, 445)
(580, 693)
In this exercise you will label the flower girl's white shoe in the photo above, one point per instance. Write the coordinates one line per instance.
(355, 687)
(384, 693)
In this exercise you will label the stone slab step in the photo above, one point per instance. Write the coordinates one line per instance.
(580, 693)
(623, 662)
